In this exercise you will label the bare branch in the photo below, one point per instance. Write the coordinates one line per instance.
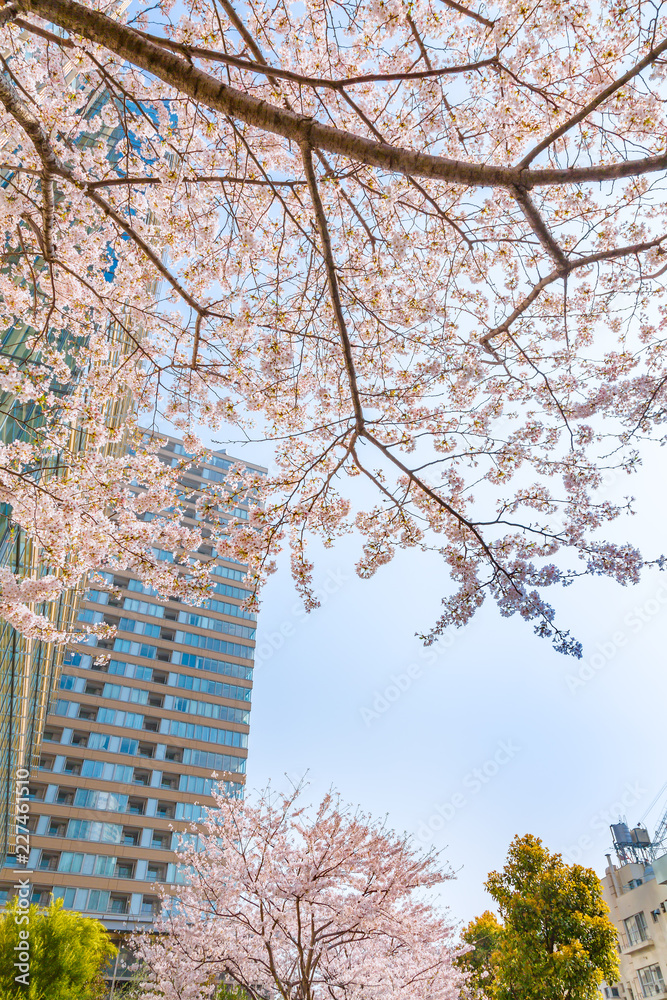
(333, 284)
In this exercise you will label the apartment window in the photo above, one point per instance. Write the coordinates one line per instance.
(155, 700)
(214, 761)
(91, 769)
(46, 763)
(141, 777)
(105, 865)
(165, 810)
(151, 725)
(89, 798)
(194, 706)
(215, 666)
(174, 754)
(219, 688)
(651, 980)
(65, 797)
(70, 861)
(156, 872)
(37, 792)
(137, 807)
(94, 689)
(72, 766)
(117, 904)
(130, 837)
(42, 897)
(124, 869)
(57, 828)
(89, 714)
(80, 739)
(150, 906)
(52, 735)
(146, 749)
(208, 734)
(635, 928)
(169, 781)
(161, 841)
(49, 862)
(94, 830)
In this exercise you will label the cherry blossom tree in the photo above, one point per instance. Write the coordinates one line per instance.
(283, 900)
(417, 243)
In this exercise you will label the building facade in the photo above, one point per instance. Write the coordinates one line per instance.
(130, 744)
(636, 893)
(29, 668)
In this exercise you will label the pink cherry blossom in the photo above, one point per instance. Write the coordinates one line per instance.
(281, 899)
(420, 247)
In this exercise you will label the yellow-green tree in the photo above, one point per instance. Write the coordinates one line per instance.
(557, 942)
(483, 935)
(66, 954)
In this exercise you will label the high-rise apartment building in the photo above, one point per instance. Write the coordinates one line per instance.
(30, 668)
(130, 744)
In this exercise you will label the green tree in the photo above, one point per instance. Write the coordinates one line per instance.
(67, 954)
(484, 935)
(557, 942)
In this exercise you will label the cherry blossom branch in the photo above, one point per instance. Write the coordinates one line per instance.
(432, 495)
(31, 126)
(594, 104)
(53, 167)
(332, 278)
(131, 44)
(219, 179)
(453, 5)
(539, 227)
(571, 265)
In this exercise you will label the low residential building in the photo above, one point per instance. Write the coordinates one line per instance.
(636, 893)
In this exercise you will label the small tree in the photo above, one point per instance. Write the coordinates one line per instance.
(302, 904)
(557, 942)
(67, 954)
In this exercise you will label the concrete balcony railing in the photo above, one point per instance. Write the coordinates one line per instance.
(629, 945)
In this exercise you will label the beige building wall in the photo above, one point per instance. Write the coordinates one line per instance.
(637, 898)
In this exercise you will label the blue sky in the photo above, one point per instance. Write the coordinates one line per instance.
(495, 735)
(489, 734)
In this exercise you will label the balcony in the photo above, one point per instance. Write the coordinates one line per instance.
(634, 943)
